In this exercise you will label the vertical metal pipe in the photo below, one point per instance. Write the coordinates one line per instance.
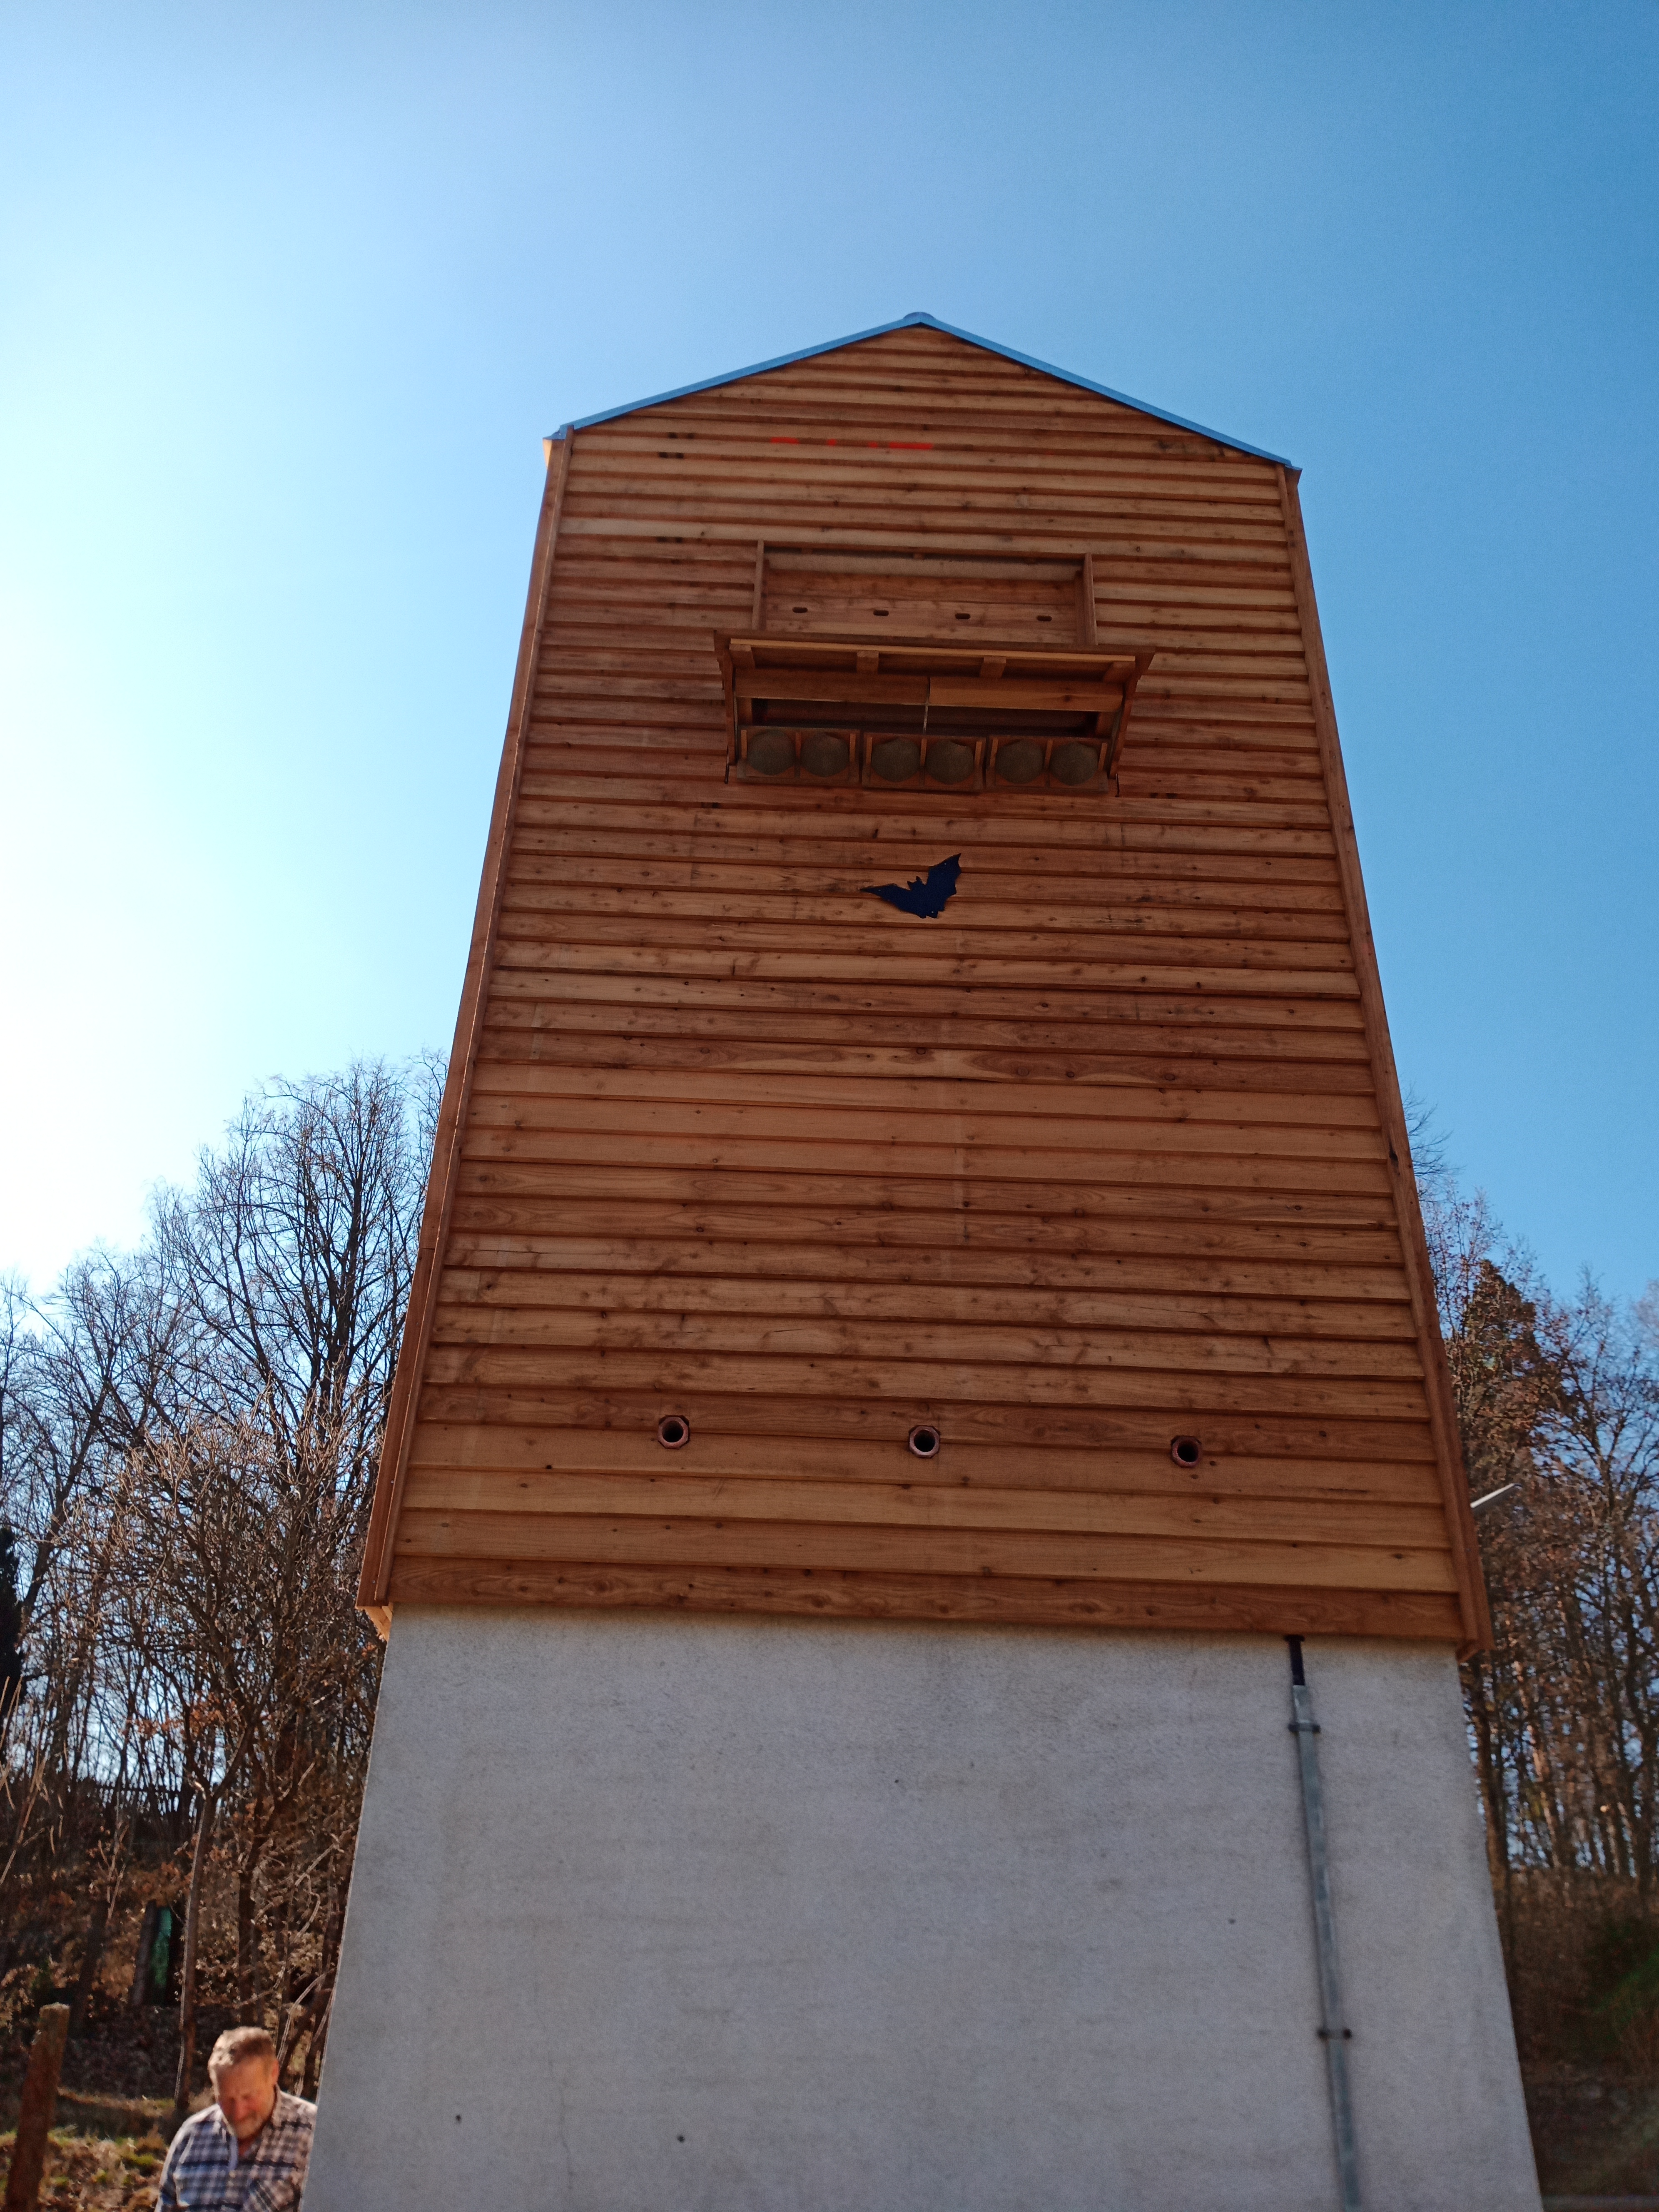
(1335, 2037)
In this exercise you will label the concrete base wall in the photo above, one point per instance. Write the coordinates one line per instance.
(659, 1914)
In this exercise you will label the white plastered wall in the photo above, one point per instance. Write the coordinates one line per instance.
(664, 1914)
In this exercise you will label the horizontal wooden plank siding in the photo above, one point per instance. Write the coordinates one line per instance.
(1102, 1155)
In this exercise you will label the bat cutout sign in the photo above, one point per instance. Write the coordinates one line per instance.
(922, 895)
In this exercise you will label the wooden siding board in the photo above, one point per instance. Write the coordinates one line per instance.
(909, 1094)
(816, 1290)
(988, 1210)
(991, 1600)
(593, 1035)
(921, 1388)
(853, 999)
(1325, 1525)
(643, 1243)
(1107, 1153)
(880, 1341)
(1117, 1230)
(849, 955)
(624, 1408)
(1237, 1483)
(663, 1539)
(1086, 1152)
(596, 890)
(539, 933)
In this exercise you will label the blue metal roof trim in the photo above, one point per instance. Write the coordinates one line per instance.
(932, 323)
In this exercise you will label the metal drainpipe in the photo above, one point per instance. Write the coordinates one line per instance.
(1334, 2036)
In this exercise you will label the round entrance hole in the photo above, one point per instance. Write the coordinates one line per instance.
(1186, 1451)
(925, 1441)
(673, 1430)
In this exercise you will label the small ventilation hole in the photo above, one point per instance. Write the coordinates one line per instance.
(924, 1441)
(673, 1430)
(797, 611)
(965, 617)
(1186, 1451)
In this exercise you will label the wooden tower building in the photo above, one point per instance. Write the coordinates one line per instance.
(921, 1295)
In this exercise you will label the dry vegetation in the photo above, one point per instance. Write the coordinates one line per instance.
(1560, 1397)
(94, 2174)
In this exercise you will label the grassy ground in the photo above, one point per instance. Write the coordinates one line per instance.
(1595, 2134)
(1590, 2136)
(87, 2174)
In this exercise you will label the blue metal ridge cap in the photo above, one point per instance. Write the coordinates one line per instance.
(1105, 392)
(755, 369)
(932, 323)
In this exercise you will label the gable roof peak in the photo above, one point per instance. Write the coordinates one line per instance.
(919, 318)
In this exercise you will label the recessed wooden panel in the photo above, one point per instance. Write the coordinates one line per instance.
(1104, 1153)
(805, 591)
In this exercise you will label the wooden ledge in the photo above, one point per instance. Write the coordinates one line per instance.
(936, 715)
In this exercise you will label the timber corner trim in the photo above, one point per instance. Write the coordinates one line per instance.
(374, 1581)
(1473, 1604)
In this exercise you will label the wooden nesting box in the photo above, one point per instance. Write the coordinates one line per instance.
(923, 1138)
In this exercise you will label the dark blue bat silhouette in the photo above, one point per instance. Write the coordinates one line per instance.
(923, 895)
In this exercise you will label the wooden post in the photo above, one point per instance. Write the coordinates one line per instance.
(28, 2157)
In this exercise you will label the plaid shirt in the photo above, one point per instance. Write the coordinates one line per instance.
(204, 2172)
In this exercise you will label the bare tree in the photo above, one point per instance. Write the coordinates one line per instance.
(85, 1375)
(188, 1439)
(298, 1244)
(1559, 1396)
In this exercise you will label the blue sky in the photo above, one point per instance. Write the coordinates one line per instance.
(288, 294)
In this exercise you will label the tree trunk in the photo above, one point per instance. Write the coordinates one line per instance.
(328, 1967)
(247, 1954)
(97, 1933)
(19, 1836)
(245, 2004)
(314, 2050)
(91, 1958)
(1499, 1856)
(187, 1976)
(139, 1993)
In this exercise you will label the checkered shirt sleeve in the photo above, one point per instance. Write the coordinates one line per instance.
(204, 2174)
